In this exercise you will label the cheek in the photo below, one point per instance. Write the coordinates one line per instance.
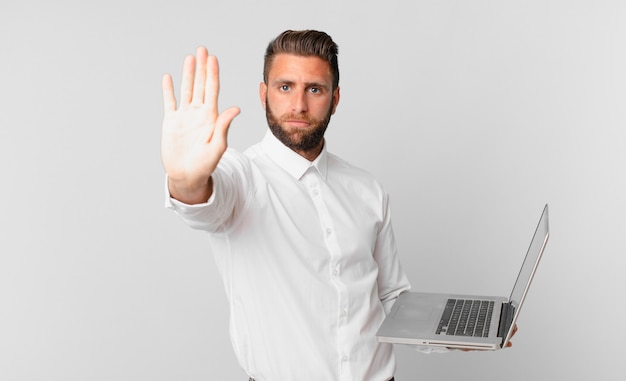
(317, 104)
(275, 104)
(323, 108)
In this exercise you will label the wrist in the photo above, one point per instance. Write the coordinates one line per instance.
(197, 192)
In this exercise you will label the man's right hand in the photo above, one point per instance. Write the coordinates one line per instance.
(194, 135)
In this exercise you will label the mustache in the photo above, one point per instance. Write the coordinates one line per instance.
(300, 117)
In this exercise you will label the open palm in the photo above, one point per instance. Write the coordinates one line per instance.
(194, 134)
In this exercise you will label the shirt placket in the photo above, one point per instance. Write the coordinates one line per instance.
(314, 182)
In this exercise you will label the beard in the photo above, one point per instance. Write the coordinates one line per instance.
(298, 139)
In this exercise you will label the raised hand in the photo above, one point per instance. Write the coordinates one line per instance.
(194, 134)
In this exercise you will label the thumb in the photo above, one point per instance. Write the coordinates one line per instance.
(222, 124)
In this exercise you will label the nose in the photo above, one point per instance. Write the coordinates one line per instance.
(299, 102)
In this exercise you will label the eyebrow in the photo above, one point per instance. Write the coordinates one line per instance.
(306, 84)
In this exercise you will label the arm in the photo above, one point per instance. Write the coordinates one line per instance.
(232, 189)
(391, 278)
(194, 135)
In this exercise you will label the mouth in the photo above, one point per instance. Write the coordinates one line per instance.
(300, 123)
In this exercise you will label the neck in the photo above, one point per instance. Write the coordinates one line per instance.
(312, 153)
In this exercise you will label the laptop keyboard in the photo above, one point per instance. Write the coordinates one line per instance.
(464, 317)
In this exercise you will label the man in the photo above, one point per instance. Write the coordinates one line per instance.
(303, 240)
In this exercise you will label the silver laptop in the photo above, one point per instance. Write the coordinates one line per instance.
(464, 321)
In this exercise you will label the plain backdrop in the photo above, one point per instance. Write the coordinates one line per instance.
(473, 114)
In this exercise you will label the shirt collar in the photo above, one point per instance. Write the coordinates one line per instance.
(290, 161)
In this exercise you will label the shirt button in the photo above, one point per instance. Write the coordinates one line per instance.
(329, 231)
(344, 358)
(343, 313)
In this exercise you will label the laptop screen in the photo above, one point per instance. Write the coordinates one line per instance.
(532, 260)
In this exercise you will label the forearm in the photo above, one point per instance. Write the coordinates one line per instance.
(190, 194)
(207, 216)
(230, 188)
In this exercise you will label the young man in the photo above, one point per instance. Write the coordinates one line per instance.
(302, 239)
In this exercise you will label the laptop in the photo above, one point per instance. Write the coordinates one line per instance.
(464, 321)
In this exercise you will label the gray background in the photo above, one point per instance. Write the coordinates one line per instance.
(473, 114)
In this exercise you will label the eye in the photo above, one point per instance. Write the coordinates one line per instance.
(315, 90)
(284, 87)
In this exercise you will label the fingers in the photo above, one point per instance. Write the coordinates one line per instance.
(169, 101)
(200, 77)
(186, 86)
(198, 86)
(212, 82)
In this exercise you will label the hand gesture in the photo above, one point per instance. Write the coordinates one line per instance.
(194, 135)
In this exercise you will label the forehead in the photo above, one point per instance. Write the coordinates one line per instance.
(299, 69)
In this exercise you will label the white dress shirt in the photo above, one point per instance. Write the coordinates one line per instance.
(308, 259)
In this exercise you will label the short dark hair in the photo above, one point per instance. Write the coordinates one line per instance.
(303, 43)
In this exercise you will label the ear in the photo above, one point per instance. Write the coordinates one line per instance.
(336, 96)
(263, 93)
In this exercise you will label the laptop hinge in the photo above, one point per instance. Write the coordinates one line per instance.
(506, 318)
